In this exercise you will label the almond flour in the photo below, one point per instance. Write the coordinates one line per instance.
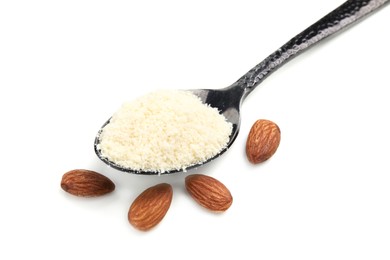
(163, 131)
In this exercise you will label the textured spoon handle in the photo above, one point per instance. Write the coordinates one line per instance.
(336, 20)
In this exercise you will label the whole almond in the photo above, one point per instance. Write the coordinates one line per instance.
(150, 207)
(263, 141)
(86, 183)
(208, 192)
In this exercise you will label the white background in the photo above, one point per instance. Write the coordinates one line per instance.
(66, 66)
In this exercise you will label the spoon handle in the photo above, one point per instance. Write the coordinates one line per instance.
(344, 15)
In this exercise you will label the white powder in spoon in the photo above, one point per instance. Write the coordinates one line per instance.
(164, 130)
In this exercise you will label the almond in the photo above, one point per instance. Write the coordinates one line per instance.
(208, 192)
(150, 207)
(86, 183)
(263, 141)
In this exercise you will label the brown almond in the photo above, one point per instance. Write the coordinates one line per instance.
(208, 192)
(150, 207)
(263, 141)
(86, 183)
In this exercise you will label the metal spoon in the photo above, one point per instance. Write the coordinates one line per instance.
(228, 100)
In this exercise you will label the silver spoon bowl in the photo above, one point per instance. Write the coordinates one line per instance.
(228, 100)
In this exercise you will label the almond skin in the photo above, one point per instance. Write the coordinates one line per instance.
(209, 192)
(263, 141)
(150, 207)
(86, 183)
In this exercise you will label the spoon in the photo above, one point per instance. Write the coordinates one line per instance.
(228, 100)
